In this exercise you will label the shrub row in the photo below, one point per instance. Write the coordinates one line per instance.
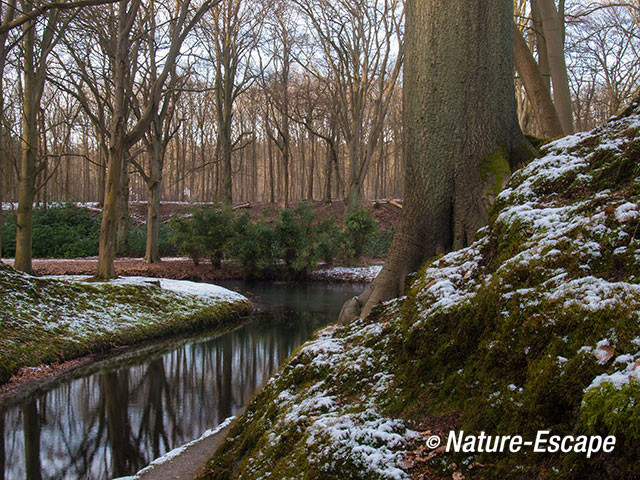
(296, 238)
(68, 231)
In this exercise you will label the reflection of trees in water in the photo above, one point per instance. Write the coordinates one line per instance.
(2, 454)
(32, 439)
(113, 423)
(125, 456)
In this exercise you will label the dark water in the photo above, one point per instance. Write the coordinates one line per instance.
(114, 421)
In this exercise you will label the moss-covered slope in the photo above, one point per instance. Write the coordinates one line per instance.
(535, 326)
(45, 320)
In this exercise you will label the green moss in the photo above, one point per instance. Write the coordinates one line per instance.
(505, 352)
(495, 168)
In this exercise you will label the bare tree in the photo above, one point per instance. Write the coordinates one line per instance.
(276, 85)
(230, 34)
(362, 53)
(122, 134)
(7, 14)
(37, 44)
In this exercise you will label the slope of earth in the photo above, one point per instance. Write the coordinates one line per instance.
(49, 321)
(535, 326)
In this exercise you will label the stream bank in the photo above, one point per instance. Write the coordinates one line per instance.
(47, 321)
(112, 418)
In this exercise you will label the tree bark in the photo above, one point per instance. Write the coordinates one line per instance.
(553, 25)
(537, 91)
(32, 92)
(459, 113)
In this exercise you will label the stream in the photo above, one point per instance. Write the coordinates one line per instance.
(113, 418)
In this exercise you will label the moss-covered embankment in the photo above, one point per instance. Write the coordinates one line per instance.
(535, 326)
(47, 321)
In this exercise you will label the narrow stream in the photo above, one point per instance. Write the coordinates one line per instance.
(113, 420)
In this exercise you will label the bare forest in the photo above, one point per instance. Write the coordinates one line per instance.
(256, 101)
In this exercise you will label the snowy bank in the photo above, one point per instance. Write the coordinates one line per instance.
(44, 320)
(534, 326)
(205, 291)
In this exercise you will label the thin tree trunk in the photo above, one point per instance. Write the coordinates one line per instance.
(272, 193)
(154, 194)
(312, 155)
(537, 92)
(553, 24)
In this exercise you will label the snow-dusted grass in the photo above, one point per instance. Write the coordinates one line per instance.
(534, 326)
(323, 414)
(205, 291)
(44, 320)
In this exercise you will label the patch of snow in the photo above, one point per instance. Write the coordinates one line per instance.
(206, 291)
(626, 212)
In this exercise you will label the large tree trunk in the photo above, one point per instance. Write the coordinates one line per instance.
(537, 91)
(461, 133)
(553, 24)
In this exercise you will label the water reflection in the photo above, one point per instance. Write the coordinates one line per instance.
(116, 421)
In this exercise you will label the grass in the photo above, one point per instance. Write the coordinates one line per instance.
(48, 321)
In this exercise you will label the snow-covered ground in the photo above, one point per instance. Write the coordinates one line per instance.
(43, 320)
(206, 291)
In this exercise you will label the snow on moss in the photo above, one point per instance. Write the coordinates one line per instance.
(495, 332)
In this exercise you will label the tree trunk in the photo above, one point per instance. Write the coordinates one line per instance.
(272, 193)
(108, 224)
(28, 155)
(457, 159)
(541, 45)
(284, 179)
(312, 161)
(328, 172)
(224, 142)
(154, 193)
(537, 91)
(122, 227)
(553, 24)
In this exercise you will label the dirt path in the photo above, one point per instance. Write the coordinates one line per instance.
(187, 464)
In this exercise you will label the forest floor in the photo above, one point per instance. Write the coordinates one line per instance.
(387, 212)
